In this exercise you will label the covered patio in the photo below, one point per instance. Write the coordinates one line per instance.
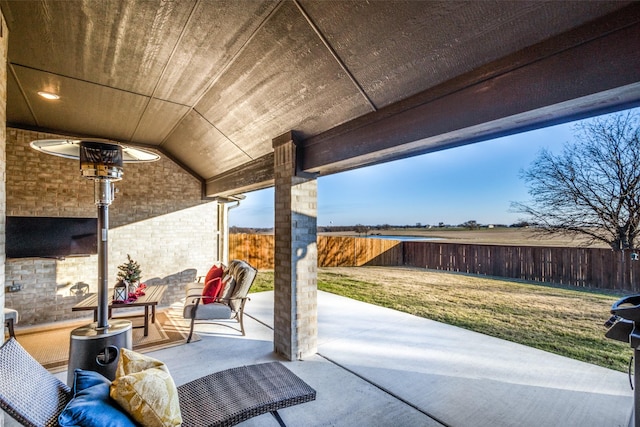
(246, 95)
(237, 96)
(380, 367)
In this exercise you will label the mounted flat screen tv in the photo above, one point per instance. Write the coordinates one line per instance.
(50, 237)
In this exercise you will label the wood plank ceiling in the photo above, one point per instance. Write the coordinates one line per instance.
(211, 83)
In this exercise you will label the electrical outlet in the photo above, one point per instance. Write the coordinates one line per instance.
(14, 288)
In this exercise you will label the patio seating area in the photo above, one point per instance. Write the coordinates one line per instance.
(380, 367)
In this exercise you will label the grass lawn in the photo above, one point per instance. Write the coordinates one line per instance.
(564, 321)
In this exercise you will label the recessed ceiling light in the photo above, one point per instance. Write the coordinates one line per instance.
(48, 95)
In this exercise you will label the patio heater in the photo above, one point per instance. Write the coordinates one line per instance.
(96, 346)
(624, 325)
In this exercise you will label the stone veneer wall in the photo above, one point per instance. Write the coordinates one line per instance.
(158, 217)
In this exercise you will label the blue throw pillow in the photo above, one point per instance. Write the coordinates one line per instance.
(91, 405)
(84, 379)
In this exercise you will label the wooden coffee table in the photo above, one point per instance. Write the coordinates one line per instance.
(151, 298)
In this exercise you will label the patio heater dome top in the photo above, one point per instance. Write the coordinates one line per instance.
(70, 149)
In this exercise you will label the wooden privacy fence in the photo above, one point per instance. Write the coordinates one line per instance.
(257, 249)
(358, 251)
(581, 267)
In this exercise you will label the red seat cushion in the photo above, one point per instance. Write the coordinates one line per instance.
(215, 271)
(211, 290)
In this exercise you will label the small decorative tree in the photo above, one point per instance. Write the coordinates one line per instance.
(130, 272)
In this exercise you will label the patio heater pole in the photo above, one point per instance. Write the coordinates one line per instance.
(103, 190)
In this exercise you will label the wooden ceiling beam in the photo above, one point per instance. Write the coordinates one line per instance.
(254, 175)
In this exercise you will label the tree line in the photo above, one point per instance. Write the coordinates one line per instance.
(362, 229)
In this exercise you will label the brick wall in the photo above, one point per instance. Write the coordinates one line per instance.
(158, 217)
(4, 32)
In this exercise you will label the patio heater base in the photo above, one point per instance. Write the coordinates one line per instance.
(98, 349)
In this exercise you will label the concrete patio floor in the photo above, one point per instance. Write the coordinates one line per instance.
(380, 367)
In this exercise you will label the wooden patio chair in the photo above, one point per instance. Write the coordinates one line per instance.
(35, 397)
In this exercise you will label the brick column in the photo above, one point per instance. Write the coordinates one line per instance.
(4, 32)
(296, 255)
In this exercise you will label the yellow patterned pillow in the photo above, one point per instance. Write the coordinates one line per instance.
(144, 388)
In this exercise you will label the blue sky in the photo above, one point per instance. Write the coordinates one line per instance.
(474, 182)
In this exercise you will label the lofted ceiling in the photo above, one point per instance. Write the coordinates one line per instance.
(210, 83)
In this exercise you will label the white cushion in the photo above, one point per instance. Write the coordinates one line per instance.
(10, 313)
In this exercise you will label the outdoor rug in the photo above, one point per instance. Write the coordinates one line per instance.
(49, 344)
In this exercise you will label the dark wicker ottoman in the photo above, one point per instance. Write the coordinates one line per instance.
(229, 397)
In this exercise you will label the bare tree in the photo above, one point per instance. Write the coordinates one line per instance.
(471, 224)
(593, 188)
(361, 229)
